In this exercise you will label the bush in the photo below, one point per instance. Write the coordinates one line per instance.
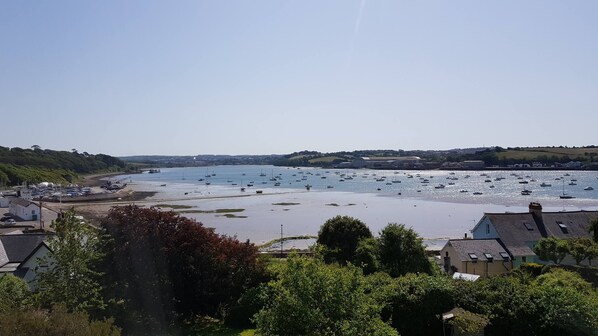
(240, 314)
(56, 322)
(311, 298)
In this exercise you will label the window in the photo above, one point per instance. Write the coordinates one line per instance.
(528, 226)
(504, 256)
(523, 259)
(489, 257)
(563, 227)
(487, 228)
(473, 257)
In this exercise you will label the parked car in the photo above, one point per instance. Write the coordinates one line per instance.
(10, 222)
(5, 218)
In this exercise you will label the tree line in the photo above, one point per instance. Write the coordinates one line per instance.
(143, 271)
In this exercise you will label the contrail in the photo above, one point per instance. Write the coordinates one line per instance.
(355, 31)
(358, 21)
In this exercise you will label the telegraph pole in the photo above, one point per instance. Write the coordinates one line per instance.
(281, 241)
(41, 223)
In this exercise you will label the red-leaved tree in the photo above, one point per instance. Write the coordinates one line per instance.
(163, 268)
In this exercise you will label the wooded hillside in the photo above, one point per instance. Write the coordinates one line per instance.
(34, 165)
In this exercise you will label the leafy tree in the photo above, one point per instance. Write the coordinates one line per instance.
(381, 287)
(418, 301)
(580, 248)
(564, 311)
(311, 298)
(592, 252)
(558, 277)
(551, 249)
(505, 300)
(402, 251)
(340, 236)
(367, 255)
(594, 229)
(14, 293)
(468, 323)
(164, 268)
(71, 277)
(556, 303)
(239, 315)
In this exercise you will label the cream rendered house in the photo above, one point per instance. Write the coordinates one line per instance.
(483, 257)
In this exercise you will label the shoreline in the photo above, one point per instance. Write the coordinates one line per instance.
(302, 212)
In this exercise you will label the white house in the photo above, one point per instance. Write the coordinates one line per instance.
(24, 209)
(20, 255)
(4, 202)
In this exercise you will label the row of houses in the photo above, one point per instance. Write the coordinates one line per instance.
(398, 162)
(503, 241)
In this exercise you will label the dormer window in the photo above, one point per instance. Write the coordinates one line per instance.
(473, 257)
(528, 226)
(504, 256)
(563, 227)
(488, 257)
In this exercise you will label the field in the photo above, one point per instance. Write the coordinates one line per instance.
(531, 153)
(325, 159)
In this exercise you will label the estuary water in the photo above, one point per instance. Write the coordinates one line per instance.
(437, 204)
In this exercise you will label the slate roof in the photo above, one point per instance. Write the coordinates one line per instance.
(16, 248)
(519, 231)
(463, 248)
(22, 202)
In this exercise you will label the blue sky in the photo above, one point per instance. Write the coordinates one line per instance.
(258, 77)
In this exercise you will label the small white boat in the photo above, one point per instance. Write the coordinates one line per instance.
(588, 188)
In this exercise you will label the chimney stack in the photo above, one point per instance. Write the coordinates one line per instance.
(536, 209)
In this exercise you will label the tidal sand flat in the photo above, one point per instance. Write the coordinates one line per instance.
(302, 213)
(214, 197)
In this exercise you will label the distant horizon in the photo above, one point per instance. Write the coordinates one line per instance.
(295, 151)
